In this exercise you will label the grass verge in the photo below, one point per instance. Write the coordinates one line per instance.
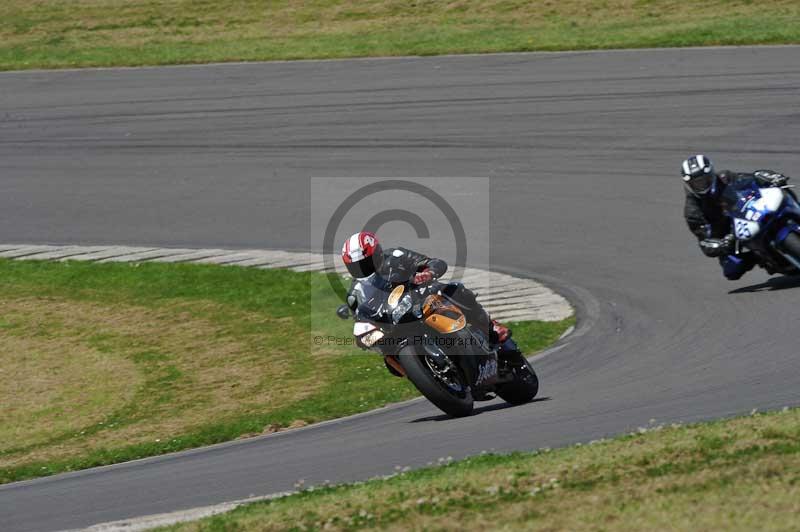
(103, 363)
(66, 33)
(739, 474)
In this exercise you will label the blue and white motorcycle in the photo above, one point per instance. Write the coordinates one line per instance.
(765, 221)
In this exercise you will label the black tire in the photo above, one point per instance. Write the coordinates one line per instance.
(525, 385)
(451, 402)
(791, 245)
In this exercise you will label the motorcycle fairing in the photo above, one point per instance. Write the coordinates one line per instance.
(790, 210)
(371, 296)
(786, 231)
(770, 200)
(744, 229)
(762, 219)
(367, 333)
(443, 316)
(754, 209)
(438, 314)
(487, 372)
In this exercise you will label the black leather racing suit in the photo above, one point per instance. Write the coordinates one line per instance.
(706, 218)
(401, 264)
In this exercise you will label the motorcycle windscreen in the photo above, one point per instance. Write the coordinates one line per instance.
(736, 196)
(371, 295)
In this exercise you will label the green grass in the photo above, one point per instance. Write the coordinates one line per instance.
(103, 363)
(738, 474)
(69, 33)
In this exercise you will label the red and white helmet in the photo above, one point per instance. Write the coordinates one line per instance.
(362, 254)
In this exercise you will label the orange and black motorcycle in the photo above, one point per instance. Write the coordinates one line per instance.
(424, 335)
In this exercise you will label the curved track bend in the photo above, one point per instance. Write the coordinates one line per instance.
(583, 150)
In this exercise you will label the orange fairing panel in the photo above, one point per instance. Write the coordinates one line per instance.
(443, 316)
(444, 324)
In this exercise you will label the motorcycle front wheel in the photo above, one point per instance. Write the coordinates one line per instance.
(438, 379)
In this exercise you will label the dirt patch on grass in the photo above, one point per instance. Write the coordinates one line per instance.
(79, 375)
(51, 386)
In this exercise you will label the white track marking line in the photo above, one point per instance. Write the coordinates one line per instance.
(537, 314)
(231, 258)
(300, 259)
(191, 256)
(147, 256)
(26, 251)
(257, 262)
(313, 267)
(536, 301)
(107, 253)
(59, 254)
(523, 294)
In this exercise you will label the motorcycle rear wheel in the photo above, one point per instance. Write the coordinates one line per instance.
(450, 400)
(525, 385)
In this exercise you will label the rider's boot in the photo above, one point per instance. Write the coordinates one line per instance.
(508, 350)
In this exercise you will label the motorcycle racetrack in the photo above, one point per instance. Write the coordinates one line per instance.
(583, 151)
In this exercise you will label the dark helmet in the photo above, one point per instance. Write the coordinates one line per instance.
(362, 254)
(698, 174)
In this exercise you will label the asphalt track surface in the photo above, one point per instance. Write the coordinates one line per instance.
(583, 150)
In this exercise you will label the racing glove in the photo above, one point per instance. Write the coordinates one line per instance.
(423, 277)
(715, 247)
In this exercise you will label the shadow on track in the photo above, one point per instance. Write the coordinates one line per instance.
(774, 283)
(479, 410)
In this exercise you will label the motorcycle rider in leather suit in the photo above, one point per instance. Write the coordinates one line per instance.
(705, 216)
